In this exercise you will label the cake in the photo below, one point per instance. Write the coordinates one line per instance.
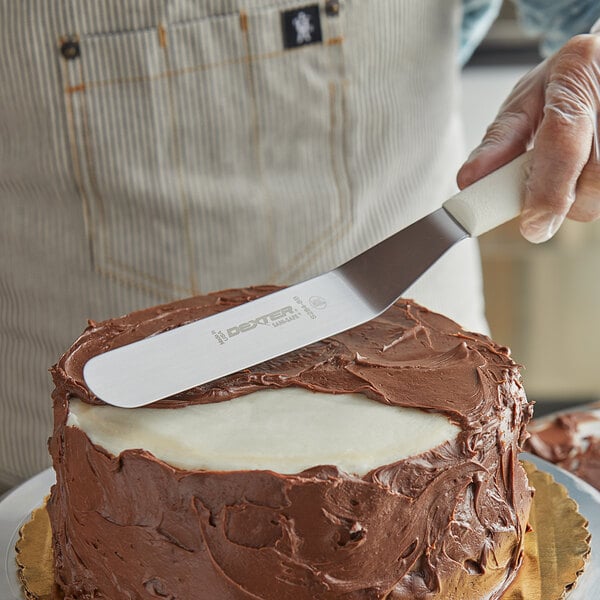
(378, 463)
(570, 440)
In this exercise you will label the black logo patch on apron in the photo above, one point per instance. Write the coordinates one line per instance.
(301, 26)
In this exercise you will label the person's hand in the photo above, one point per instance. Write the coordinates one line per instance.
(556, 106)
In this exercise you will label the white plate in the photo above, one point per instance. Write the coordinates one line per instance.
(16, 507)
(15, 510)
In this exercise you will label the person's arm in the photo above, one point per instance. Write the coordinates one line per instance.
(555, 107)
(556, 21)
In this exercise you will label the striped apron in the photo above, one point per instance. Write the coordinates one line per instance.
(151, 150)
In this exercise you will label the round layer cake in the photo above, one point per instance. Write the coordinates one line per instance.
(379, 463)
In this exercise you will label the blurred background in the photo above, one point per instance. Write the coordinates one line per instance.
(542, 301)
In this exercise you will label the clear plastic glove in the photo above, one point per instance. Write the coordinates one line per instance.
(556, 107)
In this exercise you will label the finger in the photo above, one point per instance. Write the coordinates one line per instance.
(506, 138)
(562, 149)
(586, 207)
(512, 130)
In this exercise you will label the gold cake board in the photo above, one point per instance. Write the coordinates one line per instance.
(556, 548)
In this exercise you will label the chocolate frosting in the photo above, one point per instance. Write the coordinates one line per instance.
(448, 523)
(558, 441)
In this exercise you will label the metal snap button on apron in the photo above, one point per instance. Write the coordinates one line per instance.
(69, 48)
(332, 8)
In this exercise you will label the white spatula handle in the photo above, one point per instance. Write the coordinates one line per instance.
(491, 201)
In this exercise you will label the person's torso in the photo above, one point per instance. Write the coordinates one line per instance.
(153, 150)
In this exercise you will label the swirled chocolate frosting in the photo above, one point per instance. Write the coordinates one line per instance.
(446, 524)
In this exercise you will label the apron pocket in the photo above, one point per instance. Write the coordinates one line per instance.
(205, 153)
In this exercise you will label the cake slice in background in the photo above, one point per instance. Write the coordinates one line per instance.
(570, 440)
(379, 463)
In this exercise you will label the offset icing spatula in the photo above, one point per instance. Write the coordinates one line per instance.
(156, 367)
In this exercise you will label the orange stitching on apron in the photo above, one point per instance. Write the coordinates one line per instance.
(343, 224)
(95, 189)
(256, 146)
(341, 172)
(87, 220)
(88, 152)
(169, 73)
(162, 36)
(188, 244)
(73, 89)
(243, 21)
(193, 69)
(350, 206)
(305, 259)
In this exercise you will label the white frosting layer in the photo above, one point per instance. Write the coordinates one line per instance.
(285, 430)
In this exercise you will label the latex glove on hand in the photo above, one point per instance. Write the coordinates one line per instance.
(556, 106)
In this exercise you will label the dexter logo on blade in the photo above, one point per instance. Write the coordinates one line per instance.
(276, 318)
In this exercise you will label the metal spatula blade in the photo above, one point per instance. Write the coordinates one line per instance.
(162, 365)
